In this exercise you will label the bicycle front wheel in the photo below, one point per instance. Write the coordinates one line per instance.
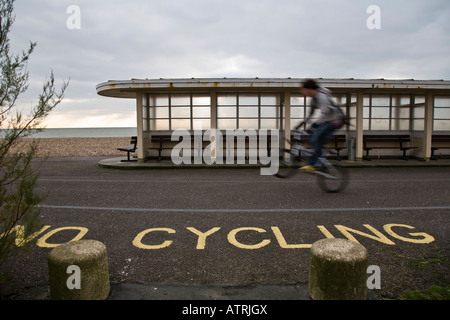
(332, 180)
(288, 164)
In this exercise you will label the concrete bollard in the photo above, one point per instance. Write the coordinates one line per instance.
(338, 270)
(79, 271)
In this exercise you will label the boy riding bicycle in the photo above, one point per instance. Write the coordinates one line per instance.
(327, 123)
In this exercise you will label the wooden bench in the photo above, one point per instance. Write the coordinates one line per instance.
(439, 139)
(371, 142)
(129, 149)
(161, 139)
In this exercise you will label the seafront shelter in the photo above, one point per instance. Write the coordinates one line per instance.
(385, 110)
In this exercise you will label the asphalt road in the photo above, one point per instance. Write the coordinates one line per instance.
(234, 227)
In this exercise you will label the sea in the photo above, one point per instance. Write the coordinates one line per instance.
(86, 132)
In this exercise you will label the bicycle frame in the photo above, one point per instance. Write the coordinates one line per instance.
(331, 178)
(323, 161)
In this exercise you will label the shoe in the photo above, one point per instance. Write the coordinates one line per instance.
(308, 168)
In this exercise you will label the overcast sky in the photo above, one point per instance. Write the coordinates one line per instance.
(121, 40)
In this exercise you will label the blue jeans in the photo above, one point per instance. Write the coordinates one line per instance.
(323, 134)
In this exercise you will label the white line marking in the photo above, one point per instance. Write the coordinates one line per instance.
(199, 210)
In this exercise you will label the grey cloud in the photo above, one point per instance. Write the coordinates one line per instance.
(245, 38)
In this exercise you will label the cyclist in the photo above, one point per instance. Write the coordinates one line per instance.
(324, 127)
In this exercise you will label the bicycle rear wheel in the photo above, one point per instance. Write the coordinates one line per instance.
(288, 164)
(332, 179)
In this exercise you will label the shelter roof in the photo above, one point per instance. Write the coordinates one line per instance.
(128, 88)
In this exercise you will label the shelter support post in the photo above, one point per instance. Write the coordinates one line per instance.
(142, 142)
(428, 126)
(359, 126)
(287, 118)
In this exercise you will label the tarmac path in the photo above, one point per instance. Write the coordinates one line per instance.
(234, 227)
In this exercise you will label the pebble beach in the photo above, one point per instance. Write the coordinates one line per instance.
(81, 147)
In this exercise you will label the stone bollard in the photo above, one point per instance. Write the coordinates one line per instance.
(338, 270)
(79, 271)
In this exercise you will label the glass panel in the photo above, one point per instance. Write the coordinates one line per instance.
(159, 100)
(269, 100)
(380, 101)
(418, 112)
(248, 112)
(297, 112)
(248, 124)
(181, 112)
(181, 124)
(297, 100)
(441, 113)
(405, 100)
(366, 124)
(226, 112)
(161, 112)
(403, 125)
(226, 100)
(352, 112)
(380, 113)
(418, 125)
(269, 112)
(400, 124)
(379, 124)
(248, 100)
(201, 124)
(366, 112)
(226, 124)
(419, 99)
(201, 100)
(180, 100)
(201, 112)
(145, 124)
(442, 101)
(401, 101)
(400, 112)
(161, 125)
(441, 125)
(273, 124)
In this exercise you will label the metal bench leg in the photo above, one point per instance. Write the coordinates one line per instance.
(404, 155)
(367, 155)
(128, 157)
(433, 157)
(159, 151)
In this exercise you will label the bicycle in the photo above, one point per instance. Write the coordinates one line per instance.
(331, 178)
